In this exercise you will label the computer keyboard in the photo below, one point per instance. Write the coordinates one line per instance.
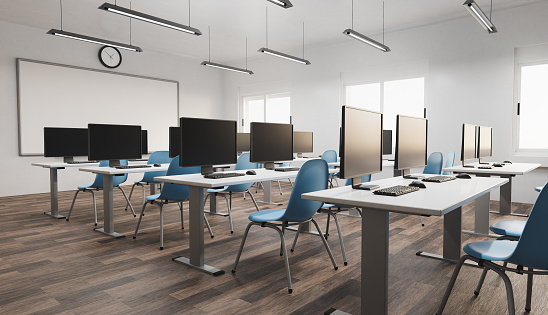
(222, 175)
(395, 190)
(485, 167)
(439, 179)
(123, 167)
(286, 169)
(81, 162)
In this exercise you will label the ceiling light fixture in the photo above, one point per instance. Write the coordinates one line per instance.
(89, 39)
(225, 67)
(151, 19)
(282, 3)
(356, 35)
(271, 52)
(478, 14)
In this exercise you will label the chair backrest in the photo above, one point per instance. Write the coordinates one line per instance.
(243, 163)
(116, 180)
(449, 162)
(330, 156)
(161, 157)
(365, 179)
(311, 177)
(532, 248)
(434, 164)
(175, 192)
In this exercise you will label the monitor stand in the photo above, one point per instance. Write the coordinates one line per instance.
(113, 163)
(407, 174)
(67, 159)
(269, 165)
(299, 155)
(464, 165)
(357, 184)
(481, 162)
(207, 169)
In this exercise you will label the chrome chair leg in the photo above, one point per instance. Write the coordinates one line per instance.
(130, 194)
(229, 212)
(130, 206)
(327, 224)
(450, 285)
(182, 219)
(325, 244)
(253, 198)
(282, 247)
(509, 291)
(529, 291)
(422, 220)
(340, 239)
(296, 237)
(480, 283)
(208, 227)
(286, 260)
(139, 222)
(205, 200)
(72, 206)
(280, 188)
(241, 247)
(94, 206)
(161, 225)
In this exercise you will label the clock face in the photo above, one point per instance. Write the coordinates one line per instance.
(110, 57)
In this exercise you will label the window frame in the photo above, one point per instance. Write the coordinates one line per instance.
(244, 113)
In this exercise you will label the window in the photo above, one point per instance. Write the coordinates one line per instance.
(274, 108)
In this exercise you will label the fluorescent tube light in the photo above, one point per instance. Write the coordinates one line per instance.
(282, 3)
(149, 18)
(220, 66)
(478, 14)
(94, 40)
(352, 33)
(284, 56)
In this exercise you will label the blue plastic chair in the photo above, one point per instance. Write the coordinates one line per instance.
(161, 157)
(243, 163)
(449, 162)
(311, 177)
(434, 164)
(332, 210)
(171, 193)
(98, 185)
(330, 156)
(530, 252)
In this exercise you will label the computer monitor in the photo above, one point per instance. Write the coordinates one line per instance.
(270, 143)
(387, 142)
(114, 142)
(174, 141)
(485, 142)
(144, 142)
(468, 148)
(207, 142)
(243, 142)
(303, 142)
(361, 149)
(411, 143)
(65, 142)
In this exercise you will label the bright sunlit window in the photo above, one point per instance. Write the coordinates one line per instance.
(274, 108)
(533, 107)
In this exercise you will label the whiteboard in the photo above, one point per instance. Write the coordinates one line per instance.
(54, 95)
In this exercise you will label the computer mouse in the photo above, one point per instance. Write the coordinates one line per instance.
(417, 183)
(157, 164)
(497, 165)
(507, 162)
(250, 172)
(463, 175)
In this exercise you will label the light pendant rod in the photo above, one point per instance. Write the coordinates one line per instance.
(282, 3)
(94, 40)
(478, 14)
(352, 33)
(149, 18)
(225, 67)
(284, 56)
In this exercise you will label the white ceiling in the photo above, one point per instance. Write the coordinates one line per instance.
(231, 21)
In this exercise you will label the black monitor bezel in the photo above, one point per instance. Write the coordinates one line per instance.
(478, 147)
(252, 154)
(71, 130)
(237, 142)
(174, 131)
(396, 156)
(383, 139)
(144, 141)
(111, 158)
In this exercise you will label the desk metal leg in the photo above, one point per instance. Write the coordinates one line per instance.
(452, 226)
(108, 208)
(196, 225)
(481, 224)
(506, 199)
(153, 189)
(267, 194)
(54, 195)
(213, 205)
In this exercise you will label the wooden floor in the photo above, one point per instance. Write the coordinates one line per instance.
(50, 266)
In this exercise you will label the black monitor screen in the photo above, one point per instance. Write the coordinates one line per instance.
(386, 142)
(485, 141)
(144, 142)
(411, 142)
(243, 142)
(468, 148)
(174, 141)
(361, 151)
(207, 142)
(65, 142)
(303, 142)
(271, 142)
(114, 142)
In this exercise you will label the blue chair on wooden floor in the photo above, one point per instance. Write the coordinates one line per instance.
(161, 157)
(243, 163)
(449, 162)
(433, 166)
(330, 156)
(98, 185)
(171, 193)
(311, 177)
(529, 254)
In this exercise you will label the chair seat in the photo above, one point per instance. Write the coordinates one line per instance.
(85, 187)
(538, 188)
(152, 197)
(267, 215)
(212, 191)
(508, 227)
(491, 250)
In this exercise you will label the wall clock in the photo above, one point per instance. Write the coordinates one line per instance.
(110, 57)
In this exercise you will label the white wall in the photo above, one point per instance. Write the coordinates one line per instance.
(200, 95)
(470, 79)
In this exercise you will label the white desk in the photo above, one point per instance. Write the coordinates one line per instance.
(108, 208)
(482, 208)
(437, 199)
(197, 183)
